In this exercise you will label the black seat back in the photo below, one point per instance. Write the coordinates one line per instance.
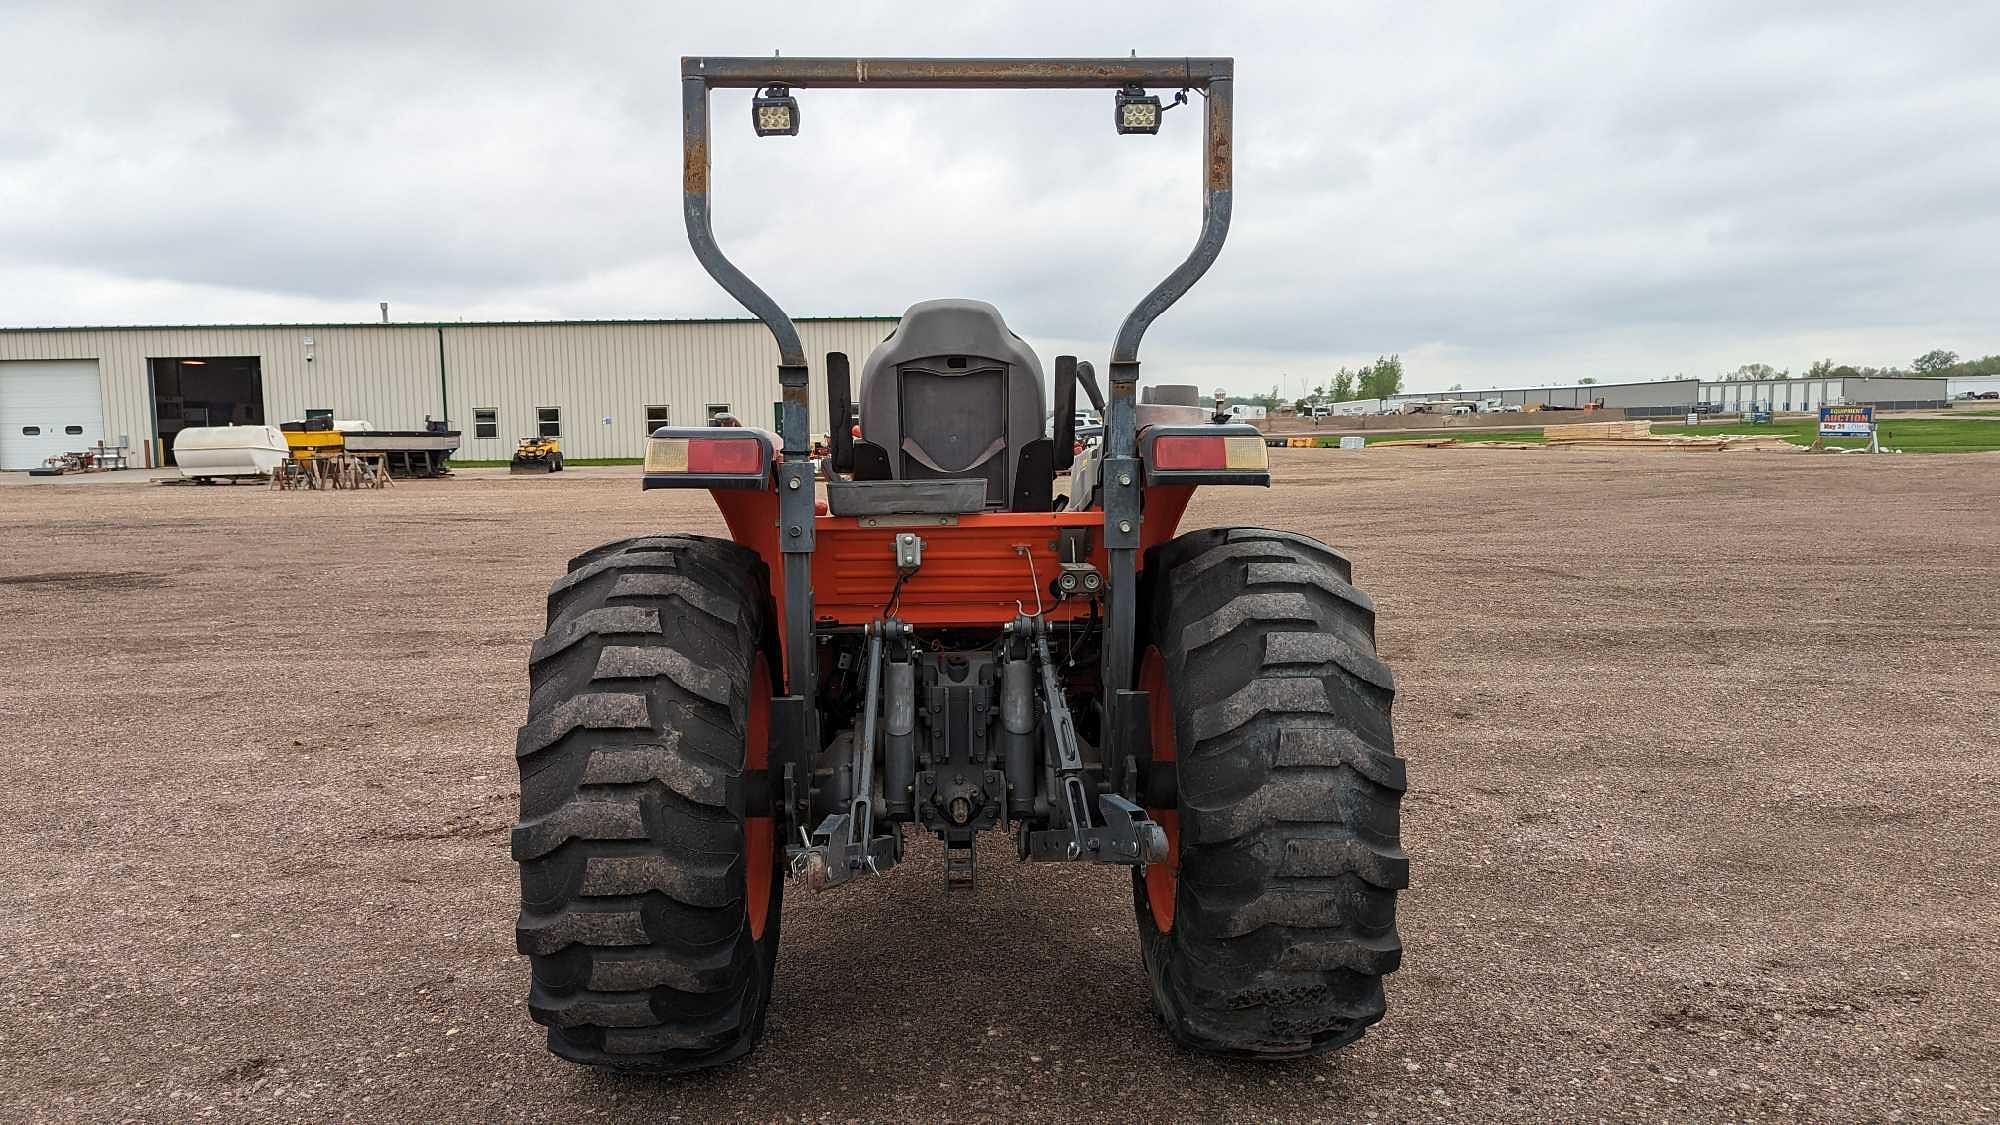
(952, 394)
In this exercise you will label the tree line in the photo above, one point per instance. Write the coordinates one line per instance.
(1938, 363)
(1379, 379)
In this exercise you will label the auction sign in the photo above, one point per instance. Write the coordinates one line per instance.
(1846, 421)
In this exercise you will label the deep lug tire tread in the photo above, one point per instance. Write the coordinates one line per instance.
(631, 842)
(1289, 787)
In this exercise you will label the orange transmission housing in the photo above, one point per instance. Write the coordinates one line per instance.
(980, 569)
(974, 575)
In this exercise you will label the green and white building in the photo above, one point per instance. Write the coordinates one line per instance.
(599, 385)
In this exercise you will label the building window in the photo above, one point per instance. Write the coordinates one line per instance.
(548, 421)
(31, 431)
(485, 421)
(73, 431)
(715, 408)
(657, 416)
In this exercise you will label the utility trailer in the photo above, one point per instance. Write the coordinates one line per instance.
(407, 453)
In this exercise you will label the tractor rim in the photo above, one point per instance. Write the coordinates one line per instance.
(759, 832)
(1163, 880)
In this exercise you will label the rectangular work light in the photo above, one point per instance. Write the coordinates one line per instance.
(1138, 111)
(775, 112)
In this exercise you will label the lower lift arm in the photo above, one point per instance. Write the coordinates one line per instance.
(845, 844)
(1128, 835)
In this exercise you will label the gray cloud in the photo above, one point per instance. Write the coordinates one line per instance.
(1498, 192)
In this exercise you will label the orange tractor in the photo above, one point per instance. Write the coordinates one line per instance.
(948, 643)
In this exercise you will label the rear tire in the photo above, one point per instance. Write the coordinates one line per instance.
(1271, 931)
(650, 891)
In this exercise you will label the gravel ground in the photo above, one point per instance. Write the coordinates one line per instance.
(1702, 816)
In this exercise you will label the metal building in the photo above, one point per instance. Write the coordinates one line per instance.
(1811, 394)
(1668, 397)
(1660, 397)
(600, 385)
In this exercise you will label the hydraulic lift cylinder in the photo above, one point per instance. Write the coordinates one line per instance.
(1017, 721)
(899, 755)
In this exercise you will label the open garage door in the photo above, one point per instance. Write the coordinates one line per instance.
(48, 407)
(205, 391)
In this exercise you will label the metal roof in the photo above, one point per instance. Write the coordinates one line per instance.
(414, 324)
(1475, 393)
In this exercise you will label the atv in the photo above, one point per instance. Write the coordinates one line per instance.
(537, 455)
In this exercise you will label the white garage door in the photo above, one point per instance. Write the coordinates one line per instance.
(48, 406)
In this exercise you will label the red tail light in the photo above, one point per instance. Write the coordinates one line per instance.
(1209, 453)
(1180, 452)
(708, 457)
(724, 455)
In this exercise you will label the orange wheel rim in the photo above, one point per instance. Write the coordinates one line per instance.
(1163, 880)
(759, 832)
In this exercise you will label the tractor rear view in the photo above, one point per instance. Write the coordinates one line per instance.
(949, 643)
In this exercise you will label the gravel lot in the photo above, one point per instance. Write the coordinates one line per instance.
(1702, 821)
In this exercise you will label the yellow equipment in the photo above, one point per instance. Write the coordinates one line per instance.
(307, 445)
(537, 455)
(315, 439)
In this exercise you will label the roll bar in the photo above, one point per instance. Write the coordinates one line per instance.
(1121, 472)
(1214, 77)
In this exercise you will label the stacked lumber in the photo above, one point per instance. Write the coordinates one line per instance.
(1683, 444)
(1630, 435)
(1598, 431)
(1719, 443)
(1761, 443)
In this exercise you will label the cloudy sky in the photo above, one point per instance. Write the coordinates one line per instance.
(1501, 193)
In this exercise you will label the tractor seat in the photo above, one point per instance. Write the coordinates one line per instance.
(953, 395)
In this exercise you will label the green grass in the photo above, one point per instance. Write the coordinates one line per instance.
(1912, 435)
(568, 462)
(1332, 441)
(1534, 436)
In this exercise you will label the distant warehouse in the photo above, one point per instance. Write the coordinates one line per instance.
(599, 385)
(1666, 397)
(1811, 394)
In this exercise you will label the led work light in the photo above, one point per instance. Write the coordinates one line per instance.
(775, 112)
(1138, 111)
